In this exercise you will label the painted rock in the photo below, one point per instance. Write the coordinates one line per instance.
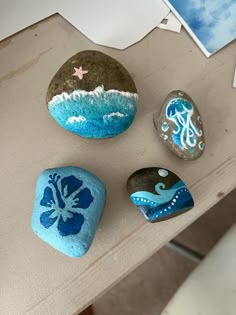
(93, 95)
(159, 194)
(68, 205)
(179, 126)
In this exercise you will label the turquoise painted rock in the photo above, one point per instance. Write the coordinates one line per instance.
(68, 205)
(179, 126)
(159, 194)
(93, 96)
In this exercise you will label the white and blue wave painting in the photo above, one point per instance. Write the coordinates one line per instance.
(212, 22)
(167, 202)
(97, 113)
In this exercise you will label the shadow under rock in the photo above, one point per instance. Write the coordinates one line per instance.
(149, 288)
(204, 233)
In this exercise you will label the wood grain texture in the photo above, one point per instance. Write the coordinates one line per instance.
(34, 278)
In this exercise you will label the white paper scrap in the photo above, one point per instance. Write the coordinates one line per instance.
(112, 23)
(117, 24)
(234, 82)
(16, 15)
(170, 23)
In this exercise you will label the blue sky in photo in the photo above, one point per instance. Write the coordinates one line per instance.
(212, 21)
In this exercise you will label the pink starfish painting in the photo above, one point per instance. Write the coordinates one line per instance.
(80, 72)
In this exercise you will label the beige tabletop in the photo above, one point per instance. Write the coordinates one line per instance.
(36, 279)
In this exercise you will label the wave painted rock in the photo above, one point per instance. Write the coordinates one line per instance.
(68, 205)
(159, 194)
(93, 95)
(179, 126)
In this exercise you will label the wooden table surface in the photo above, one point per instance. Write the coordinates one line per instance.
(36, 279)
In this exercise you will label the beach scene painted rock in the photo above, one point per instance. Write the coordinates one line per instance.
(179, 125)
(159, 193)
(93, 96)
(68, 205)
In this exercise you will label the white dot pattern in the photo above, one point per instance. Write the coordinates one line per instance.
(165, 211)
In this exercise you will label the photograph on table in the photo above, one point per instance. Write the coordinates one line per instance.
(212, 24)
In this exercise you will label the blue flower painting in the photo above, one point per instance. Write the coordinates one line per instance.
(64, 199)
(67, 209)
(212, 22)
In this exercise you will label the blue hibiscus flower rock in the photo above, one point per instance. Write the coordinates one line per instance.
(179, 126)
(68, 205)
(159, 193)
(93, 96)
